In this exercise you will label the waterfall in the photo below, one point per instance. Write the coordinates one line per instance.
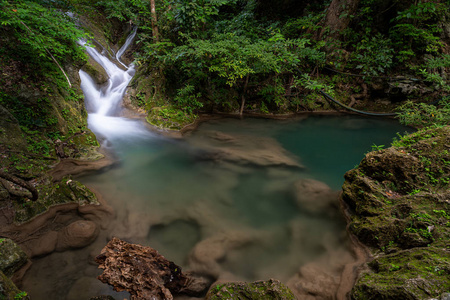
(103, 103)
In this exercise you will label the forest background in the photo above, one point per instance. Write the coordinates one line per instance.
(239, 56)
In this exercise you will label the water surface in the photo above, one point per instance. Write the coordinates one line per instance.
(230, 216)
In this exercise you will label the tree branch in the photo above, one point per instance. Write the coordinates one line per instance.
(19, 182)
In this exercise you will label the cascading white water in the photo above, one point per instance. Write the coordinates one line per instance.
(122, 50)
(103, 103)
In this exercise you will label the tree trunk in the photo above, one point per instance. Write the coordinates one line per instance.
(338, 16)
(154, 21)
(243, 95)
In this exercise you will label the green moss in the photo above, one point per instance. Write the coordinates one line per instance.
(398, 200)
(50, 194)
(8, 290)
(409, 274)
(270, 289)
(167, 117)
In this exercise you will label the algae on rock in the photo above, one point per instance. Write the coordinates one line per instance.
(12, 258)
(269, 289)
(398, 203)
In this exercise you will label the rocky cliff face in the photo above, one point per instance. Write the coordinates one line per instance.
(398, 204)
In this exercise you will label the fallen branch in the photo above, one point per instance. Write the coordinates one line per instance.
(145, 273)
(20, 182)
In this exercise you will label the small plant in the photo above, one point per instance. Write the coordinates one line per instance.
(21, 295)
(423, 115)
(377, 147)
(394, 268)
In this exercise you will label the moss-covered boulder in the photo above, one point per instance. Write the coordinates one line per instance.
(12, 257)
(398, 202)
(169, 117)
(269, 289)
(52, 193)
(8, 290)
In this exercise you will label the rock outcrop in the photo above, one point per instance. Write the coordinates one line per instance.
(398, 202)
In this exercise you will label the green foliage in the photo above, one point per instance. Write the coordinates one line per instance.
(312, 85)
(21, 295)
(377, 147)
(374, 56)
(417, 27)
(42, 30)
(187, 99)
(431, 71)
(196, 15)
(226, 60)
(423, 115)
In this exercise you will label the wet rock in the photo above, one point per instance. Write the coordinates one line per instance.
(103, 297)
(140, 270)
(316, 197)
(44, 244)
(76, 235)
(87, 287)
(197, 285)
(8, 290)
(52, 193)
(12, 257)
(248, 150)
(96, 71)
(270, 289)
(314, 282)
(398, 205)
(206, 256)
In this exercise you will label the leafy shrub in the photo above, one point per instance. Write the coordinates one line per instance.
(423, 115)
(374, 56)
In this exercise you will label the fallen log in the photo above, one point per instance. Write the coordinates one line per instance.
(141, 271)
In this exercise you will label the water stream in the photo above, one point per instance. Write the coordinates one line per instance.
(235, 200)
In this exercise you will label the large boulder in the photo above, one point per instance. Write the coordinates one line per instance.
(398, 204)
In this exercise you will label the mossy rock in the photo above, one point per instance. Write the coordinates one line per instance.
(410, 274)
(398, 200)
(96, 71)
(270, 289)
(50, 194)
(12, 257)
(10, 132)
(8, 290)
(167, 117)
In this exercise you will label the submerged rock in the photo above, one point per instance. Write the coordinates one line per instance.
(270, 289)
(77, 234)
(247, 150)
(316, 197)
(398, 203)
